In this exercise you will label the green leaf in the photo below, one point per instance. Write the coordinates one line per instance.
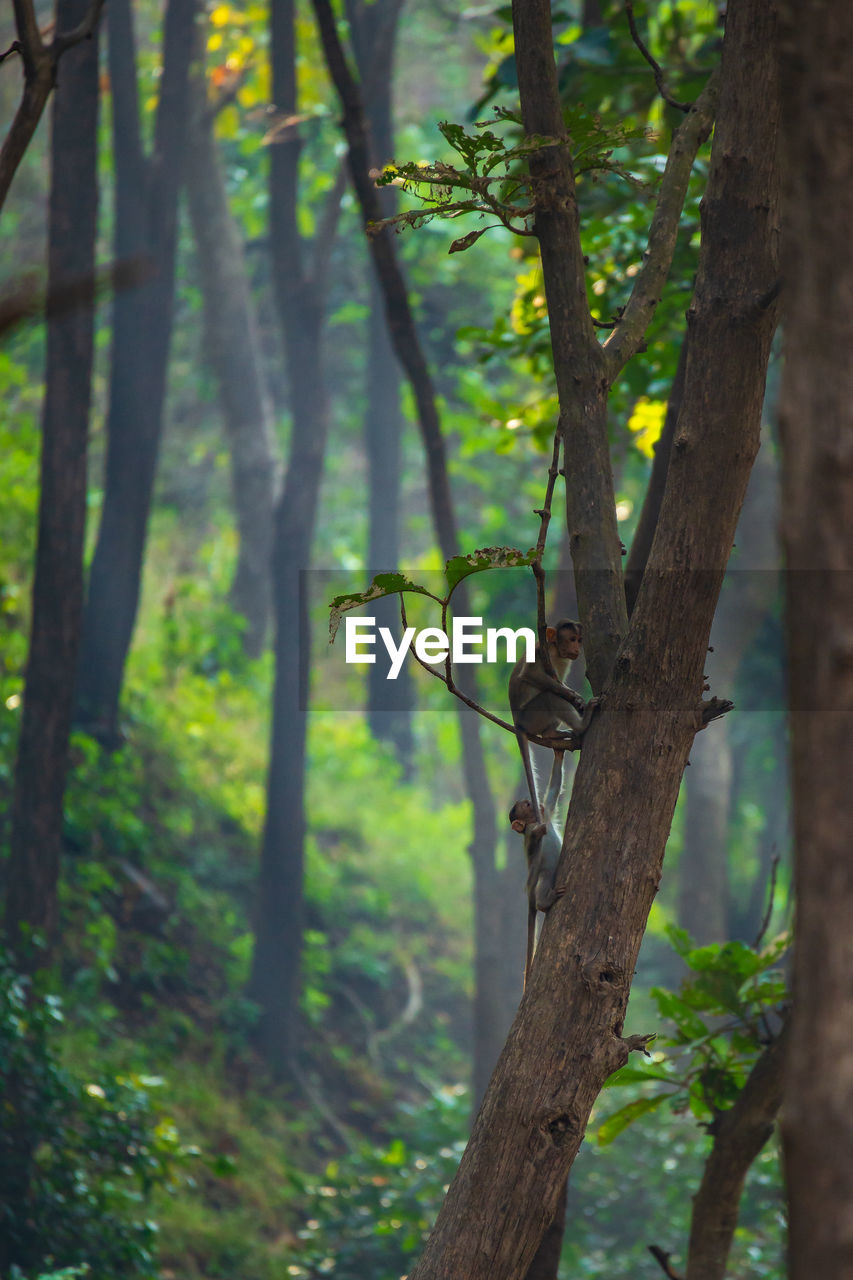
(485, 558)
(384, 584)
(625, 1116)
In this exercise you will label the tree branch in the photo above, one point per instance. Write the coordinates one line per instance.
(61, 41)
(655, 66)
(39, 78)
(625, 339)
(570, 743)
(739, 1135)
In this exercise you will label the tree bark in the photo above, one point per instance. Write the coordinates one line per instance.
(816, 417)
(567, 1037)
(42, 759)
(146, 221)
(232, 349)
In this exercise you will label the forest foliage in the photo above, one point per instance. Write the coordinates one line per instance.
(156, 1138)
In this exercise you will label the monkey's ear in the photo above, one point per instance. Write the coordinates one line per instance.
(550, 634)
(518, 825)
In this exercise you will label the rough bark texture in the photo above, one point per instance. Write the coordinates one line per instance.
(404, 336)
(36, 836)
(146, 219)
(739, 1135)
(232, 349)
(816, 415)
(300, 297)
(567, 1037)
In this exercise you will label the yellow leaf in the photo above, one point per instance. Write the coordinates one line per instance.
(646, 422)
(220, 15)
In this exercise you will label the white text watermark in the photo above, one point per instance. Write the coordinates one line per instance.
(432, 645)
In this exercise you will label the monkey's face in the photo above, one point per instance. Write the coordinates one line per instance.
(568, 644)
(521, 815)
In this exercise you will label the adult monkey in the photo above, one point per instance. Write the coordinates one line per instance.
(541, 702)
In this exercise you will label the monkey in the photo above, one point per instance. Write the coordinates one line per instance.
(542, 846)
(539, 703)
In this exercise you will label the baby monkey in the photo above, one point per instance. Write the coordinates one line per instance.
(542, 846)
(541, 703)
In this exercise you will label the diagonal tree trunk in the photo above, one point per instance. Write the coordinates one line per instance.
(42, 760)
(739, 1135)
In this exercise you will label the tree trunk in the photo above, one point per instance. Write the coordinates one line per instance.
(300, 297)
(389, 702)
(42, 760)
(146, 220)
(739, 1134)
(232, 350)
(567, 1037)
(816, 416)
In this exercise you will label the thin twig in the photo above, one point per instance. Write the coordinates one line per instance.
(14, 47)
(655, 66)
(446, 678)
(662, 1258)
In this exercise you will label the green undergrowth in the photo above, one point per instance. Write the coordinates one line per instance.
(162, 842)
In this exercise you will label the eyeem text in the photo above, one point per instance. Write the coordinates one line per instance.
(432, 645)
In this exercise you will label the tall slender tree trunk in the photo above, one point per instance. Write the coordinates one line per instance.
(146, 223)
(42, 760)
(299, 286)
(389, 702)
(816, 416)
(232, 350)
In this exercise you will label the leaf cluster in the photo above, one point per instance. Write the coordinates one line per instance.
(490, 180)
(726, 1011)
(78, 1160)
